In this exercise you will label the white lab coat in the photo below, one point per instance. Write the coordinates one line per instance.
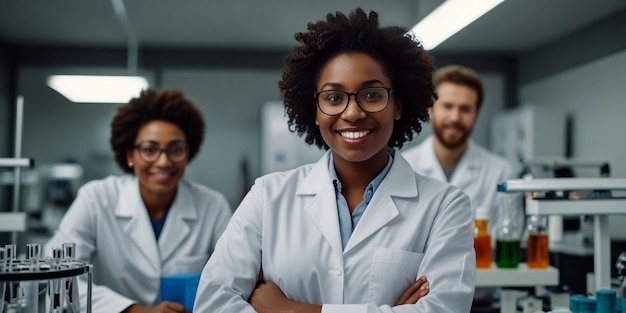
(477, 173)
(288, 226)
(111, 227)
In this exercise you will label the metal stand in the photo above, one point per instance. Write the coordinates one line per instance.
(15, 221)
(16, 271)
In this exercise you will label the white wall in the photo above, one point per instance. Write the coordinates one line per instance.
(231, 102)
(594, 94)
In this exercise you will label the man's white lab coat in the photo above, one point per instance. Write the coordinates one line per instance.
(287, 228)
(111, 227)
(477, 173)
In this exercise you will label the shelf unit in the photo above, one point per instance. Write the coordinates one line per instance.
(15, 221)
(522, 276)
(599, 208)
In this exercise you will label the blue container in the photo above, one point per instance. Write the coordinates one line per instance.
(587, 305)
(624, 304)
(180, 289)
(574, 303)
(605, 301)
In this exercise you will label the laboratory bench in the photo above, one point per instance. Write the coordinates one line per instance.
(522, 276)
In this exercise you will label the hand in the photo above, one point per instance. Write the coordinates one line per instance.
(268, 298)
(163, 307)
(417, 290)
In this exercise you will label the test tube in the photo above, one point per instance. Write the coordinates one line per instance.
(33, 255)
(71, 284)
(2, 284)
(9, 256)
(2, 257)
(30, 289)
(10, 253)
(55, 290)
(69, 249)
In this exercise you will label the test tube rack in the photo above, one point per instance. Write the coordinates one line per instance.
(48, 272)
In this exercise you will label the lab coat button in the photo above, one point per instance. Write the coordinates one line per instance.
(337, 271)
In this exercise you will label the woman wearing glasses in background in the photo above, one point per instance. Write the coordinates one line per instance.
(356, 231)
(150, 222)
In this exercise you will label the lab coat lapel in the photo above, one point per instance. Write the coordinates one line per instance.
(176, 228)
(322, 208)
(399, 182)
(132, 215)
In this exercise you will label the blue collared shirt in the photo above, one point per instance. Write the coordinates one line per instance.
(348, 223)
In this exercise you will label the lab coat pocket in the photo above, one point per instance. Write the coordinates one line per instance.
(393, 270)
(190, 264)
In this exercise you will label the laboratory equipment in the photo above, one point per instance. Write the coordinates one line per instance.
(599, 207)
(587, 305)
(538, 255)
(605, 301)
(574, 303)
(620, 264)
(508, 234)
(482, 239)
(15, 221)
(37, 285)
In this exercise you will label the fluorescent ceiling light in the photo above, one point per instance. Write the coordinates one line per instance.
(98, 89)
(449, 18)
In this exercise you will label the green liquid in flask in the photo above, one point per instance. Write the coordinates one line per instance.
(507, 253)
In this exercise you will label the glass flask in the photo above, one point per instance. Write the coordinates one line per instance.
(509, 232)
(482, 239)
(538, 255)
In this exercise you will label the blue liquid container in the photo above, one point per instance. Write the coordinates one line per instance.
(605, 301)
(587, 305)
(574, 303)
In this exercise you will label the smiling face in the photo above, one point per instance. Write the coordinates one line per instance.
(159, 178)
(454, 113)
(355, 135)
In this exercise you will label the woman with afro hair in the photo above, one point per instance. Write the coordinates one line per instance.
(358, 231)
(149, 222)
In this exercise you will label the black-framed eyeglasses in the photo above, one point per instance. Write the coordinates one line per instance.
(370, 100)
(149, 151)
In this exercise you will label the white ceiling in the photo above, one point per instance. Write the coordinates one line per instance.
(515, 26)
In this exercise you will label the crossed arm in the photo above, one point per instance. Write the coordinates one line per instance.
(268, 298)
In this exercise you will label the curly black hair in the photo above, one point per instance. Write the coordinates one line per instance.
(168, 105)
(402, 56)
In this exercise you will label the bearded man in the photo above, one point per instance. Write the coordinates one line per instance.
(450, 155)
